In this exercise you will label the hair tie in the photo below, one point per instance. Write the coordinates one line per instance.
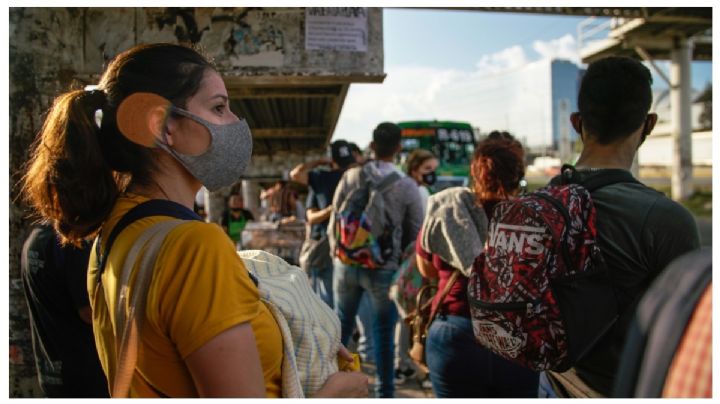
(97, 100)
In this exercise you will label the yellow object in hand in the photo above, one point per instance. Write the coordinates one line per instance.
(348, 366)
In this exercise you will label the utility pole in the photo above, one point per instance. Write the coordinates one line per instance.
(680, 103)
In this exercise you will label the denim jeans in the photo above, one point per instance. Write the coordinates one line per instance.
(364, 325)
(349, 283)
(321, 280)
(460, 367)
(545, 389)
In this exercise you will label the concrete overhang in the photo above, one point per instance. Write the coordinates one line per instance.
(296, 113)
(656, 34)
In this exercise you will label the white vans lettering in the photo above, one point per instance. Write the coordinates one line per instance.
(525, 239)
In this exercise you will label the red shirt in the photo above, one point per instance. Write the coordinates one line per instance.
(455, 302)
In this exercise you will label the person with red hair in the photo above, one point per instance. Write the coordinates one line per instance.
(452, 236)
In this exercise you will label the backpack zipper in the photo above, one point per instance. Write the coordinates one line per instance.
(559, 206)
(510, 306)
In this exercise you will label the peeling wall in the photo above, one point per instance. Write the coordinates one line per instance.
(54, 49)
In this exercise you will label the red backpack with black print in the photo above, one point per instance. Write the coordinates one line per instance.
(540, 294)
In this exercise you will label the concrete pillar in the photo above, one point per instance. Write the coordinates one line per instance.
(215, 204)
(680, 104)
(251, 197)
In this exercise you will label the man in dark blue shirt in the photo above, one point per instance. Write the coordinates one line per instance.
(55, 282)
(315, 255)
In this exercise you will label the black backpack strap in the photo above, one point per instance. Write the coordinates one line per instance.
(153, 207)
(594, 182)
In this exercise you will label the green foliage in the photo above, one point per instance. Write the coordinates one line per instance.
(699, 203)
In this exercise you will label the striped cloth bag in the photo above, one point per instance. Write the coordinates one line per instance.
(310, 328)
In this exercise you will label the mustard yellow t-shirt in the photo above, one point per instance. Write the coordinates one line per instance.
(199, 289)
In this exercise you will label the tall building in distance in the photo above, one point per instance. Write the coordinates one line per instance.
(533, 102)
(540, 97)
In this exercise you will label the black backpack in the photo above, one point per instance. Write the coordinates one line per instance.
(659, 325)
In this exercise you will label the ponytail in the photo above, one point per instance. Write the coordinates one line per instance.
(78, 166)
(68, 180)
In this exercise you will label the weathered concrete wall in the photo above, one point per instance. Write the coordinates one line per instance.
(52, 49)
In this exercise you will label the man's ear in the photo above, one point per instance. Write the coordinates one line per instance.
(576, 122)
(650, 122)
(648, 125)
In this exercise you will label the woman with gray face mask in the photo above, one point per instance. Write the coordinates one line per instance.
(206, 333)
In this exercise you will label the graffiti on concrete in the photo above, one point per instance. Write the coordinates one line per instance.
(256, 39)
(188, 31)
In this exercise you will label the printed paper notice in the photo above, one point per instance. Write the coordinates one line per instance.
(336, 28)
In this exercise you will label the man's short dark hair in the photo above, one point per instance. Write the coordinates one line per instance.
(386, 138)
(355, 148)
(614, 98)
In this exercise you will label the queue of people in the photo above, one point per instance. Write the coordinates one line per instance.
(207, 327)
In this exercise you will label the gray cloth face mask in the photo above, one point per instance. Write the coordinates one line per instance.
(225, 160)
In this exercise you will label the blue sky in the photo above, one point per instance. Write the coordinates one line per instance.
(426, 51)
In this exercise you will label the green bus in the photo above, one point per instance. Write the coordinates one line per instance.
(452, 142)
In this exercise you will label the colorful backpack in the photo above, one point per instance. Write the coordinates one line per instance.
(364, 234)
(540, 294)
(406, 283)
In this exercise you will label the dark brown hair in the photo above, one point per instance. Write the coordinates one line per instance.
(498, 166)
(77, 169)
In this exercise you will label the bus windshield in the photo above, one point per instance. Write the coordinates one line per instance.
(452, 142)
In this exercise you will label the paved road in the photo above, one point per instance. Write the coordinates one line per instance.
(410, 389)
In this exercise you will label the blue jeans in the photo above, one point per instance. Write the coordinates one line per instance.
(545, 389)
(321, 280)
(364, 325)
(460, 367)
(349, 283)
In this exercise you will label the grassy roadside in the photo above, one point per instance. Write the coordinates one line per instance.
(699, 203)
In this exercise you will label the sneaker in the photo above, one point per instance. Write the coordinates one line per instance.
(403, 375)
(426, 383)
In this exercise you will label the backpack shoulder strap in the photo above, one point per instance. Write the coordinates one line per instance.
(387, 182)
(130, 312)
(153, 207)
(596, 181)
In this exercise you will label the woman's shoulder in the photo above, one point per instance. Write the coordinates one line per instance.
(206, 234)
(199, 240)
(450, 196)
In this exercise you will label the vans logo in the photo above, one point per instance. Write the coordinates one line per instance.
(520, 239)
(497, 339)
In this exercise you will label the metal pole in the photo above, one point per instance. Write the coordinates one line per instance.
(251, 197)
(680, 104)
(646, 56)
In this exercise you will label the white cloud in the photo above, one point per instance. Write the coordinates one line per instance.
(423, 93)
(564, 47)
(505, 59)
(408, 93)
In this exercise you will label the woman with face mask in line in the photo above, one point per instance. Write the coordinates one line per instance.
(205, 333)
(420, 166)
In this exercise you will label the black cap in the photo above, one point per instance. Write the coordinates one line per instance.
(341, 153)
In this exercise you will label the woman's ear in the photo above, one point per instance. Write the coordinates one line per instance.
(158, 122)
(141, 118)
